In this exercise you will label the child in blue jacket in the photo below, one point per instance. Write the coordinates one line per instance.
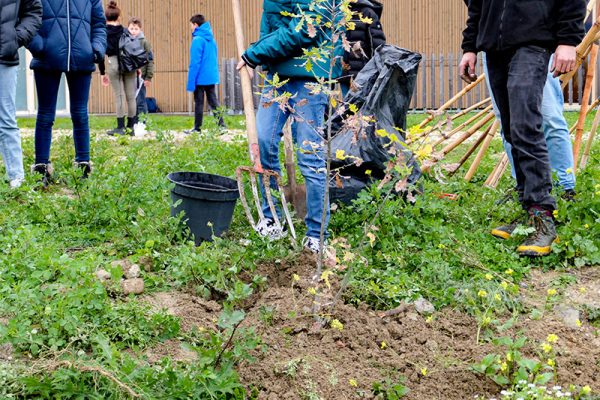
(203, 75)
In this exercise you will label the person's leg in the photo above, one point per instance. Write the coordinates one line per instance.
(213, 102)
(198, 107)
(311, 155)
(270, 121)
(116, 82)
(142, 107)
(556, 131)
(10, 136)
(526, 80)
(507, 146)
(79, 94)
(130, 83)
(47, 84)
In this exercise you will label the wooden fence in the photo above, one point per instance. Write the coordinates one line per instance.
(437, 82)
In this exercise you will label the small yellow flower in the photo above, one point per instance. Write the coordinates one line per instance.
(569, 170)
(296, 277)
(489, 277)
(340, 155)
(353, 382)
(547, 347)
(312, 291)
(335, 324)
(482, 293)
(441, 246)
(424, 371)
(509, 357)
(429, 319)
(504, 285)
(486, 321)
(383, 345)
(582, 290)
(586, 390)
(497, 297)
(504, 367)
(551, 292)
(586, 226)
(555, 213)
(509, 271)
(551, 362)
(552, 338)
(579, 324)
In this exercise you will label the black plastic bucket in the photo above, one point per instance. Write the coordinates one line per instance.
(207, 200)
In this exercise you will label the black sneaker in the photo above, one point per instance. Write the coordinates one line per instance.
(269, 229)
(539, 243)
(569, 195)
(192, 131)
(119, 130)
(85, 167)
(46, 171)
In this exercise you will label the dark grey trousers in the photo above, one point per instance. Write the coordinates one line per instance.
(213, 103)
(517, 79)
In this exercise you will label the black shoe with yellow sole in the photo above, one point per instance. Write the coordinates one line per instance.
(539, 243)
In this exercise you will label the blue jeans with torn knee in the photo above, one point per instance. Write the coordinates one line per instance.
(307, 126)
(10, 137)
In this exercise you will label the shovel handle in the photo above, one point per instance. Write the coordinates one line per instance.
(290, 165)
(246, 90)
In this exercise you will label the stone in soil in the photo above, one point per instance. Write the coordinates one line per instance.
(132, 286)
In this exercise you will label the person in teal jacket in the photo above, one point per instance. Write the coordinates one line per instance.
(203, 75)
(278, 50)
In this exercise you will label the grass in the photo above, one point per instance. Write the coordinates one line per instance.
(53, 309)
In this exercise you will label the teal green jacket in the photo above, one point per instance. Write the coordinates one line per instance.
(280, 44)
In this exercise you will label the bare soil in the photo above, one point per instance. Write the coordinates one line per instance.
(433, 358)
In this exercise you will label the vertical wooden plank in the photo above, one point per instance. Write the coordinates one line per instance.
(424, 84)
(442, 83)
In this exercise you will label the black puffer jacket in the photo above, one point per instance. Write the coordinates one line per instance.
(370, 37)
(505, 24)
(19, 22)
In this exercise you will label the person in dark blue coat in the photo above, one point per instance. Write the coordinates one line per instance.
(71, 41)
(203, 75)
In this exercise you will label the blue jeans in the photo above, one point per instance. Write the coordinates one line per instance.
(309, 112)
(10, 137)
(47, 84)
(556, 131)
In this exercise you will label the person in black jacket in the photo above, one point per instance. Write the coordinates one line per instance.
(20, 21)
(518, 38)
(364, 39)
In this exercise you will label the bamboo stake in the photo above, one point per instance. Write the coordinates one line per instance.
(467, 134)
(486, 144)
(494, 178)
(588, 145)
(473, 107)
(453, 100)
(471, 150)
(582, 51)
(478, 116)
(585, 102)
(590, 109)
(590, 8)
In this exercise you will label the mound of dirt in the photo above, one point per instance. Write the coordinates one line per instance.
(346, 360)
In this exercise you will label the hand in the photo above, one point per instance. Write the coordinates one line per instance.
(105, 80)
(147, 83)
(243, 64)
(565, 59)
(466, 68)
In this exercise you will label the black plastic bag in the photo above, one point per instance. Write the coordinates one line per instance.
(382, 90)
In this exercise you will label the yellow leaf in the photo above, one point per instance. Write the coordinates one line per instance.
(340, 154)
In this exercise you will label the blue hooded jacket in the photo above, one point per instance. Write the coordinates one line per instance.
(204, 62)
(72, 37)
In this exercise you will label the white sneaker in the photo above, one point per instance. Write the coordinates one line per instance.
(16, 183)
(268, 229)
(311, 244)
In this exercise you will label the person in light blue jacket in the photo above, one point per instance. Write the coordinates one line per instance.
(203, 75)
(71, 41)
